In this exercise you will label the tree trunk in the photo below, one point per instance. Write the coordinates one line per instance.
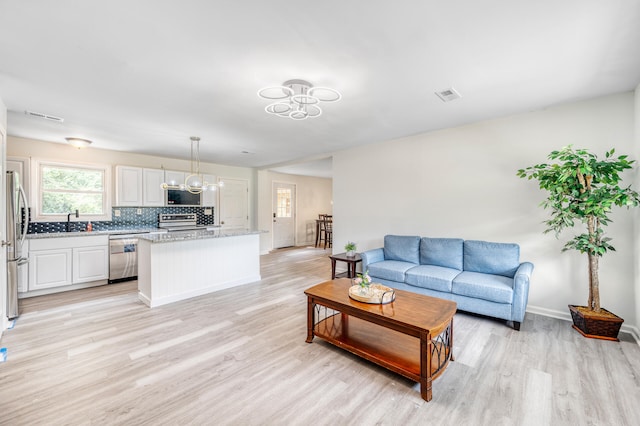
(594, 282)
(593, 225)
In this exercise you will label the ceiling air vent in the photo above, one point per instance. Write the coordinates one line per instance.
(44, 116)
(449, 94)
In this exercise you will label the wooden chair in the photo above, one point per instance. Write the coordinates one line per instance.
(321, 229)
(328, 233)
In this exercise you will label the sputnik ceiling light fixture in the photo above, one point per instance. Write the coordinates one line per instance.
(194, 182)
(297, 99)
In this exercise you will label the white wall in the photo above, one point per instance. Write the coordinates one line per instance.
(636, 257)
(21, 147)
(313, 196)
(462, 182)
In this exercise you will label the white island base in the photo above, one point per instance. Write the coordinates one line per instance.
(175, 267)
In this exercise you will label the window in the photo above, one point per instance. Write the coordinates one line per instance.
(283, 209)
(65, 188)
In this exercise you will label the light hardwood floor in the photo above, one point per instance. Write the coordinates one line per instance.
(238, 356)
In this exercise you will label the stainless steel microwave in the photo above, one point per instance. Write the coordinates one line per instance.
(175, 197)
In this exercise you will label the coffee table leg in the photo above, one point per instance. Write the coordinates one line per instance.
(344, 319)
(425, 366)
(451, 340)
(310, 319)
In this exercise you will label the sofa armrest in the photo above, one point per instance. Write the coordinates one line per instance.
(371, 256)
(521, 282)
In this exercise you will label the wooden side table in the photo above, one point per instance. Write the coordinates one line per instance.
(351, 265)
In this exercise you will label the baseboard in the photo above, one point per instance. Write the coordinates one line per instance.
(144, 299)
(566, 316)
(634, 331)
(563, 315)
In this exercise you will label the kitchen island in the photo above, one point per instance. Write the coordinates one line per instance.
(180, 265)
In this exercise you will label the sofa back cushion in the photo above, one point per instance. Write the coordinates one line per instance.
(491, 258)
(445, 252)
(402, 247)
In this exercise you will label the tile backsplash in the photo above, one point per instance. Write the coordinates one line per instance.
(128, 219)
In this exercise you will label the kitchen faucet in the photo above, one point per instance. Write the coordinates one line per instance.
(69, 219)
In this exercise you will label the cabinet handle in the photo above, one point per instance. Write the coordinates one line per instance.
(5, 243)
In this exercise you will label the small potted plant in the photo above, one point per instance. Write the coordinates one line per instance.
(364, 281)
(583, 189)
(350, 248)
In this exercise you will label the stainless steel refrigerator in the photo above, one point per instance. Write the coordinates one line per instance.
(17, 226)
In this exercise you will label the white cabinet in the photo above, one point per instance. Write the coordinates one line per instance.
(210, 196)
(128, 186)
(49, 268)
(63, 261)
(152, 193)
(90, 264)
(136, 186)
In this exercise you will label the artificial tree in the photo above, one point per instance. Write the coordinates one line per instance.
(583, 189)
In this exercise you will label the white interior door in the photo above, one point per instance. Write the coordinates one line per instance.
(234, 203)
(284, 207)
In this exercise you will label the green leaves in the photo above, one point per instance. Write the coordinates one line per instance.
(581, 188)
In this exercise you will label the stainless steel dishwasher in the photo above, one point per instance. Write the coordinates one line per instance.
(123, 257)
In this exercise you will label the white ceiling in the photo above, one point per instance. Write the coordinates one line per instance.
(144, 75)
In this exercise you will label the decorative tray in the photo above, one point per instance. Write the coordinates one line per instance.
(376, 294)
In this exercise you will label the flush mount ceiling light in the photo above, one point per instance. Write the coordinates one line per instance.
(297, 99)
(194, 182)
(78, 142)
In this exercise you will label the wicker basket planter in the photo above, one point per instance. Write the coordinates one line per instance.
(596, 326)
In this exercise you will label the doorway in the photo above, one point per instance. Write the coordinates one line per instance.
(284, 221)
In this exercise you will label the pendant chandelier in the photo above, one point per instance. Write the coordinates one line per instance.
(194, 182)
(297, 99)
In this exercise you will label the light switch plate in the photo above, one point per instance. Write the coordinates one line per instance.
(139, 211)
(116, 212)
(207, 212)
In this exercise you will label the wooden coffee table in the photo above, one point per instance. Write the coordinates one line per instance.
(412, 336)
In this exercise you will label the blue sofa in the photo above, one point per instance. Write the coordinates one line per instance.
(481, 277)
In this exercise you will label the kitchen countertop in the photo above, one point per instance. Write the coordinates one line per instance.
(197, 235)
(141, 231)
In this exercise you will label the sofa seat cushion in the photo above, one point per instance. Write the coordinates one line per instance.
(491, 258)
(431, 277)
(392, 270)
(402, 247)
(494, 288)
